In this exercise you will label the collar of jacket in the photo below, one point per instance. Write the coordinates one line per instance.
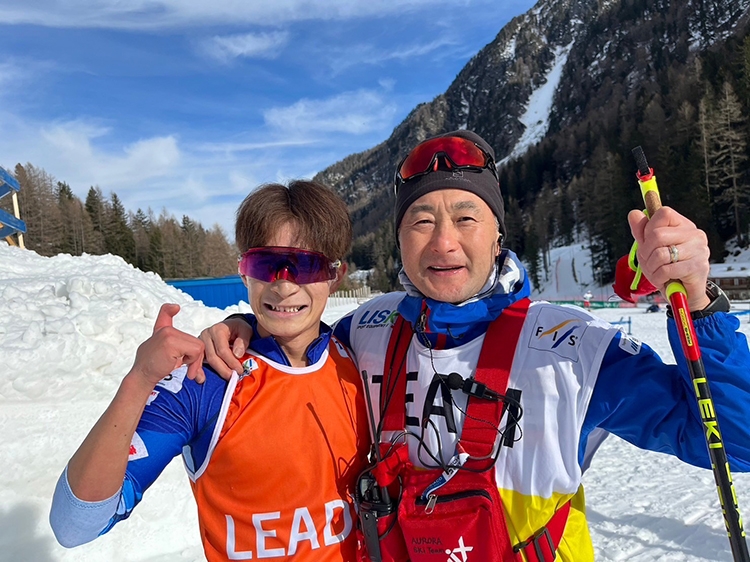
(269, 347)
(465, 321)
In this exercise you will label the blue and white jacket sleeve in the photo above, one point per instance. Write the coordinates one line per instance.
(179, 418)
(342, 328)
(652, 405)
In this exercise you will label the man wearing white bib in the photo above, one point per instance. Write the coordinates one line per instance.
(572, 377)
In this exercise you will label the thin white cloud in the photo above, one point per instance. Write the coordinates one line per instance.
(357, 113)
(10, 74)
(159, 14)
(241, 182)
(76, 151)
(416, 50)
(231, 147)
(246, 45)
(370, 55)
(17, 73)
(387, 84)
(152, 172)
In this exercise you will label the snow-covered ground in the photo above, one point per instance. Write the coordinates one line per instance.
(569, 276)
(69, 328)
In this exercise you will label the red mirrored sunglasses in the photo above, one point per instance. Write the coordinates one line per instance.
(459, 154)
(271, 263)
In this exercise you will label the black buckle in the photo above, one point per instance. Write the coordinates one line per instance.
(536, 541)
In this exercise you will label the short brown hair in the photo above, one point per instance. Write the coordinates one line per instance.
(319, 215)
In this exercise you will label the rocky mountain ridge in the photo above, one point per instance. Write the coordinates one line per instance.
(614, 51)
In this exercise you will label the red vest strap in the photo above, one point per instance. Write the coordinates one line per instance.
(393, 388)
(493, 369)
(543, 545)
(477, 437)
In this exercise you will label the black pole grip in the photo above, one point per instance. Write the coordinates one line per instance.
(640, 161)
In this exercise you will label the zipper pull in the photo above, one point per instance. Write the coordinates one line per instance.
(422, 321)
(421, 326)
(431, 501)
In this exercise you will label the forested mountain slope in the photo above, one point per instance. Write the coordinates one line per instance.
(563, 93)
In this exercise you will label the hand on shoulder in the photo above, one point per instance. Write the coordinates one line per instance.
(217, 339)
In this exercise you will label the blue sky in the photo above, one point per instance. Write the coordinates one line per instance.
(189, 104)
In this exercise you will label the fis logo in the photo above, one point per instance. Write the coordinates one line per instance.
(561, 339)
(377, 319)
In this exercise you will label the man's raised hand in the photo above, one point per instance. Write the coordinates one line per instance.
(167, 349)
(686, 262)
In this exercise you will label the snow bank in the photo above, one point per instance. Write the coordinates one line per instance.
(80, 318)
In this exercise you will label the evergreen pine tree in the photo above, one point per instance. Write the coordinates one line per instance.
(706, 128)
(728, 157)
(219, 256)
(156, 251)
(139, 225)
(745, 71)
(531, 254)
(192, 237)
(379, 279)
(567, 216)
(39, 210)
(171, 247)
(97, 214)
(514, 226)
(71, 238)
(118, 237)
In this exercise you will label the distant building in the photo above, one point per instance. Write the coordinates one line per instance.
(733, 278)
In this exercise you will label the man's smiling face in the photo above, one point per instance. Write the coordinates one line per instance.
(449, 242)
(288, 311)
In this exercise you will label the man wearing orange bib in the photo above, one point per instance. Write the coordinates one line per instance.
(273, 454)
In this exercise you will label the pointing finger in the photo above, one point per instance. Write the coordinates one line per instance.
(195, 369)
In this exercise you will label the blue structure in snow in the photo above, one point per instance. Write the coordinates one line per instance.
(9, 224)
(220, 292)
